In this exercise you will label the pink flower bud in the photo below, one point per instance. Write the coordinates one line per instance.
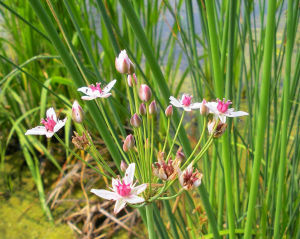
(131, 79)
(169, 111)
(145, 93)
(128, 143)
(123, 64)
(180, 155)
(123, 166)
(142, 109)
(203, 109)
(152, 108)
(77, 112)
(135, 121)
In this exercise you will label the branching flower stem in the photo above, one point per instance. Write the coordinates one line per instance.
(78, 157)
(177, 131)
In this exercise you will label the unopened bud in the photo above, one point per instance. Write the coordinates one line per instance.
(123, 166)
(145, 93)
(142, 109)
(135, 121)
(123, 64)
(203, 109)
(128, 143)
(169, 111)
(131, 79)
(180, 155)
(77, 112)
(152, 108)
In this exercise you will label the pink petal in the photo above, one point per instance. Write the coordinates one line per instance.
(236, 114)
(120, 204)
(108, 195)
(59, 125)
(39, 130)
(109, 86)
(175, 102)
(129, 174)
(139, 189)
(51, 114)
(133, 199)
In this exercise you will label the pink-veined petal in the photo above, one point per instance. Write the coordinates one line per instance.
(39, 130)
(120, 204)
(49, 134)
(187, 108)
(129, 174)
(222, 118)
(88, 97)
(85, 90)
(109, 86)
(108, 195)
(59, 125)
(175, 102)
(236, 114)
(212, 106)
(133, 199)
(139, 189)
(195, 106)
(51, 114)
(106, 95)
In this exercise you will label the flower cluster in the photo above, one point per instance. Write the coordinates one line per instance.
(138, 147)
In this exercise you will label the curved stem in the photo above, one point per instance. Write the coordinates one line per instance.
(177, 131)
(200, 139)
(167, 135)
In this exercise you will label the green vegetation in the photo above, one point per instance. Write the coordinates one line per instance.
(245, 51)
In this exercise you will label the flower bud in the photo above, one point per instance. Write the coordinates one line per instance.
(203, 109)
(152, 108)
(123, 166)
(142, 109)
(145, 93)
(135, 121)
(128, 143)
(219, 130)
(123, 64)
(77, 112)
(169, 111)
(131, 79)
(180, 155)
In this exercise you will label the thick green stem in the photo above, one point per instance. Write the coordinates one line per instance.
(150, 221)
(285, 120)
(262, 116)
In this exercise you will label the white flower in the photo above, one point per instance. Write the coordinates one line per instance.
(185, 103)
(123, 191)
(220, 110)
(51, 125)
(93, 92)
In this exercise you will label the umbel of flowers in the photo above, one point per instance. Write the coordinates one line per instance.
(147, 178)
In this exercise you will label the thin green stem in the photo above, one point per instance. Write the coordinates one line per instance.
(175, 137)
(78, 157)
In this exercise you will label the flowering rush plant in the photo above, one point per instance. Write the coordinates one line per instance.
(152, 169)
